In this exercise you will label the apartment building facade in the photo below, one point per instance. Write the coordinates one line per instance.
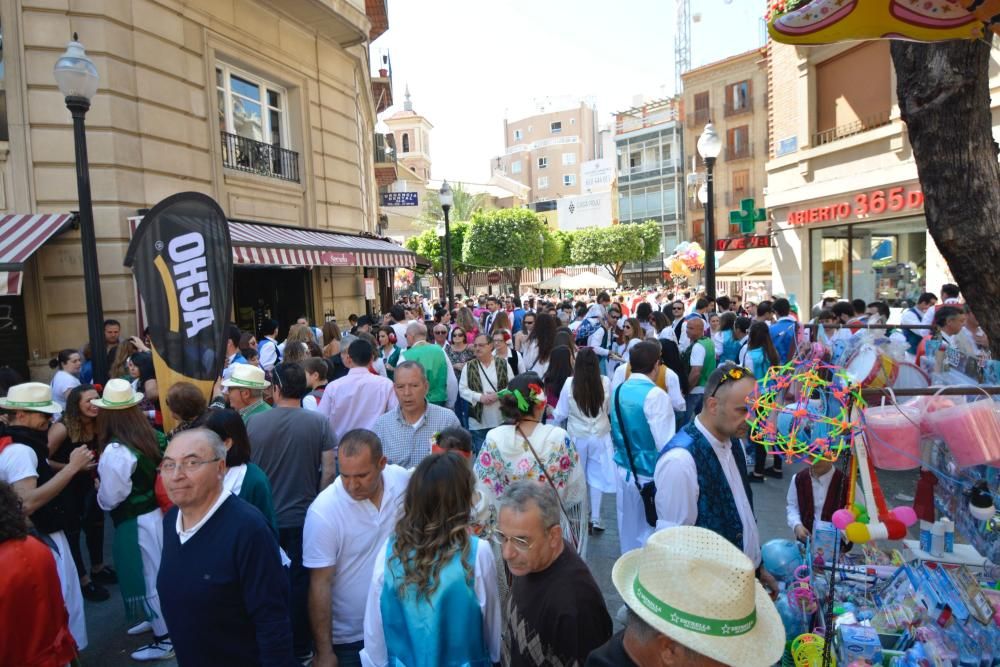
(843, 190)
(545, 152)
(269, 107)
(732, 95)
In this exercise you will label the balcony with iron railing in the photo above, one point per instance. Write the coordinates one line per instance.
(381, 79)
(739, 152)
(699, 118)
(257, 157)
(385, 159)
(649, 170)
(731, 108)
(850, 129)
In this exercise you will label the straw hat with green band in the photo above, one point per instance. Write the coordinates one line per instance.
(246, 376)
(118, 395)
(695, 587)
(30, 397)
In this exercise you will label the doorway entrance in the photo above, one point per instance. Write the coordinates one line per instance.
(260, 294)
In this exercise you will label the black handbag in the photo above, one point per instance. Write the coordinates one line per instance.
(647, 491)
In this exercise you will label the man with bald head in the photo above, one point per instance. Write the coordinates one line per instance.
(223, 590)
(699, 358)
(443, 383)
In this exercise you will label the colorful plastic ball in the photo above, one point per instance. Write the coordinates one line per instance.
(843, 518)
(781, 557)
(858, 533)
(904, 514)
(793, 619)
(895, 528)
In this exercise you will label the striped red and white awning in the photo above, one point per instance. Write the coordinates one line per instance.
(267, 245)
(20, 236)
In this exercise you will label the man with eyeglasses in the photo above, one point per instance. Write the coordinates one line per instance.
(556, 612)
(220, 567)
(701, 475)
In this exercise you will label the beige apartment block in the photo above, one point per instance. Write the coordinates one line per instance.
(265, 105)
(843, 191)
(544, 152)
(732, 94)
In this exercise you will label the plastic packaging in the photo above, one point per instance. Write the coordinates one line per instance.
(937, 539)
(971, 431)
(925, 535)
(893, 436)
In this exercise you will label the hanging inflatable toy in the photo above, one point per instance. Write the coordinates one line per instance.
(830, 21)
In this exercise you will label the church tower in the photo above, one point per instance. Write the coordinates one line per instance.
(412, 134)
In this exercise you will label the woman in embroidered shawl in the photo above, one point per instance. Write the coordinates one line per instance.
(129, 456)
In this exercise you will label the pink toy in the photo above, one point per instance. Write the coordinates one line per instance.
(893, 436)
(971, 431)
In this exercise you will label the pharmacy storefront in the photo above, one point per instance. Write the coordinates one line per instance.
(870, 244)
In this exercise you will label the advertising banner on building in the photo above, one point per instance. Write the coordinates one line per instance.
(182, 259)
(580, 212)
(596, 175)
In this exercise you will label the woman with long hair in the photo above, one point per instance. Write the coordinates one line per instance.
(583, 407)
(460, 353)
(67, 364)
(243, 478)
(78, 426)
(331, 339)
(248, 340)
(123, 352)
(632, 335)
(527, 324)
(387, 350)
(727, 344)
(560, 369)
(501, 322)
(433, 597)
(129, 457)
(759, 356)
(140, 366)
(537, 349)
(467, 323)
(527, 449)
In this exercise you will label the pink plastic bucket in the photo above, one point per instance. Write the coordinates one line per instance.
(971, 431)
(893, 436)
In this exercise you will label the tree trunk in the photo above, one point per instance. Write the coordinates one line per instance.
(465, 280)
(616, 270)
(944, 98)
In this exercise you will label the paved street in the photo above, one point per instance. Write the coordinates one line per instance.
(110, 646)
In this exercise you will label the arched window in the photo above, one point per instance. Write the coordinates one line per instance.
(406, 142)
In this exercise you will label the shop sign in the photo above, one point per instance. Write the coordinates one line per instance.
(399, 199)
(744, 242)
(331, 258)
(370, 289)
(493, 277)
(862, 206)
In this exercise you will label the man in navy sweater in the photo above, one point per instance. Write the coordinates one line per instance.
(223, 591)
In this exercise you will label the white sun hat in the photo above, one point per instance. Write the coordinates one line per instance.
(30, 397)
(118, 395)
(247, 376)
(694, 586)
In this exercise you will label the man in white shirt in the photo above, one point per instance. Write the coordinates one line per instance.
(482, 378)
(397, 320)
(922, 313)
(707, 453)
(809, 497)
(267, 346)
(345, 527)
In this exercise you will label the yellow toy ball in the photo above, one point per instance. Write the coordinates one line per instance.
(858, 533)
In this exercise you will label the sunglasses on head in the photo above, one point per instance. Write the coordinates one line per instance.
(732, 372)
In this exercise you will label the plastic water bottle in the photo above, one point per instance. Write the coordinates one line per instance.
(925, 536)
(937, 539)
(948, 526)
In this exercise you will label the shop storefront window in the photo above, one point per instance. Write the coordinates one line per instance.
(885, 261)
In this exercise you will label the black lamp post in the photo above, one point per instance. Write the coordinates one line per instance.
(447, 199)
(541, 258)
(77, 79)
(709, 147)
(643, 265)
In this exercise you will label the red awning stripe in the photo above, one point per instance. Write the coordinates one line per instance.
(10, 283)
(22, 235)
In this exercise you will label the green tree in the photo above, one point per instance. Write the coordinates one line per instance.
(565, 255)
(466, 203)
(614, 247)
(509, 239)
(429, 245)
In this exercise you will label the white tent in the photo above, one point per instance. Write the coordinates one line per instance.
(559, 281)
(590, 280)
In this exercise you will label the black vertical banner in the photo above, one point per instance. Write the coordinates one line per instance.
(182, 259)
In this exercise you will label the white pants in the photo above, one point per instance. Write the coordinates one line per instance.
(69, 581)
(596, 457)
(150, 527)
(633, 531)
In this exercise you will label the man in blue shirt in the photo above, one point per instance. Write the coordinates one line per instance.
(784, 332)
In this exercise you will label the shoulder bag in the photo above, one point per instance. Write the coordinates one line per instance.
(569, 522)
(647, 491)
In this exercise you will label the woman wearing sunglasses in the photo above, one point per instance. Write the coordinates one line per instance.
(527, 324)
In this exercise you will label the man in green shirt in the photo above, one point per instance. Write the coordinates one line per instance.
(245, 390)
(443, 383)
(700, 359)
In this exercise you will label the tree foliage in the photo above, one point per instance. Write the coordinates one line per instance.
(614, 247)
(509, 239)
(465, 205)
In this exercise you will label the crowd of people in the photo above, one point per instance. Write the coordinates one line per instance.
(420, 489)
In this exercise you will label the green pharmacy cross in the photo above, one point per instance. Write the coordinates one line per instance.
(744, 221)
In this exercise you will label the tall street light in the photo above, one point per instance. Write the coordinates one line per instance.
(541, 257)
(643, 269)
(709, 147)
(446, 198)
(77, 79)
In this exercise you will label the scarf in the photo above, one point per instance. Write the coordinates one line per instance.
(476, 383)
(128, 562)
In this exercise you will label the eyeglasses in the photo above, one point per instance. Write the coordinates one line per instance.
(678, 308)
(627, 326)
(187, 465)
(440, 332)
(732, 372)
(613, 316)
(519, 543)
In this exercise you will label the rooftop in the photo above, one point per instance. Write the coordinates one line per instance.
(752, 54)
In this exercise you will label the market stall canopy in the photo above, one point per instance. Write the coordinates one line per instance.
(256, 244)
(590, 280)
(21, 235)
(558, 281)
(752, 262)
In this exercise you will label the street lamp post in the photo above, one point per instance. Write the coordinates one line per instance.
(447, 199)
(709, 147)
(541, 258)
(643, 265)
(77, 79)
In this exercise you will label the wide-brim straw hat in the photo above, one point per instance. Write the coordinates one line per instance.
(30, 397)
(694, 586)
(831, 294)
(246, 376)
(118, 395)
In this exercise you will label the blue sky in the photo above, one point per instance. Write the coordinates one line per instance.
(467, 62)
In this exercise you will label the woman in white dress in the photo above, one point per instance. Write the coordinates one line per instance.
(583, 407)
(537, 348)
(528, 449)
(67, 364)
